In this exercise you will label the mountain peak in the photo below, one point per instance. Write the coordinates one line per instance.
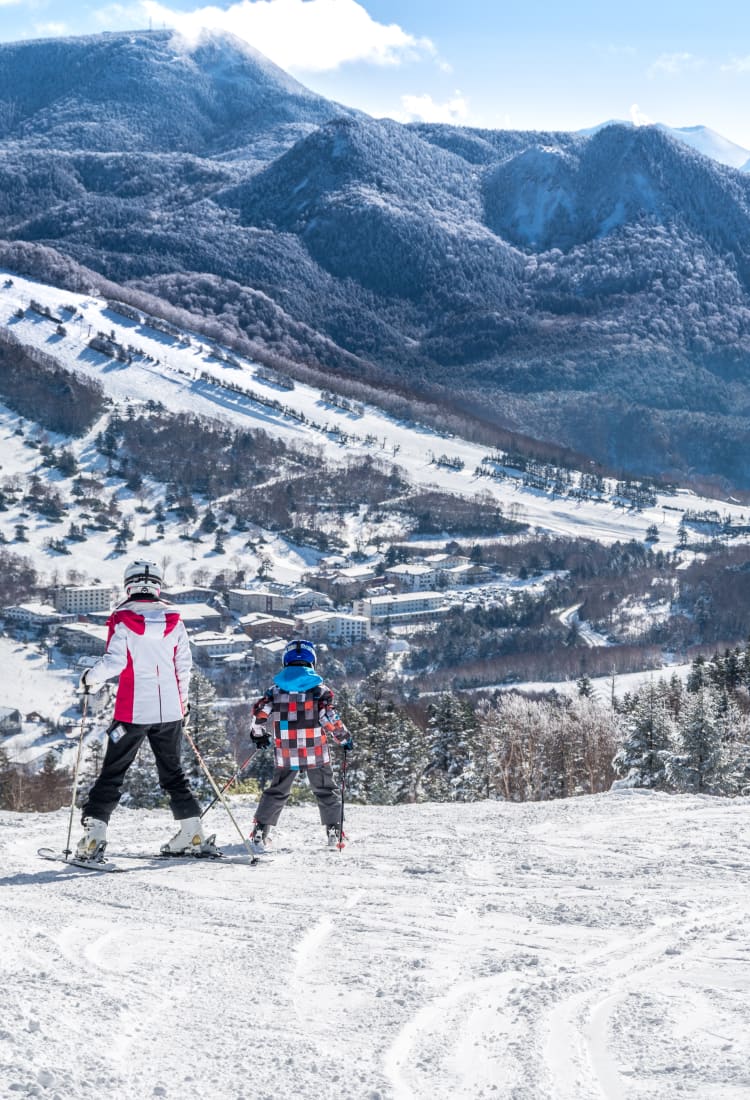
(150, 91)
(701, 138)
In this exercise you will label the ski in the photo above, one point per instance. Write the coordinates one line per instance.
(145, 860)
(84, 864)
(162, 857)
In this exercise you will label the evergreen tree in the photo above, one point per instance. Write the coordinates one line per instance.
(411, 758)
(649, 732)
(141, 788)
(451, 742)
(208, 729)
(734, 730)
(7, 775)
(745, 666)
(441, 751)
(698, 676)
(673, 693)
(699, 764)
(396, 760)
(732, 669)
(51, 785)
(357, 720)
(584, 686)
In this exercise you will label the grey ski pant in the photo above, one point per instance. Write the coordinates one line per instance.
(322, 784)
(165, 739)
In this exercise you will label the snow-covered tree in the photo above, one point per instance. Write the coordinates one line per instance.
(51, 785)
(208, 729)
(648, 736)
(141, 788)
(591, 731)
(699, 763)
(734, 729)
(449, 747)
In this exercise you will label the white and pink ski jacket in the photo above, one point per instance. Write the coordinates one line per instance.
(148, 648)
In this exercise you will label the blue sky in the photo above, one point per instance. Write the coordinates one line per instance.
(527, 64)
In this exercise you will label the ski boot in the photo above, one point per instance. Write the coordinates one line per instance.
(190, 840)
(332, 836)
(93, 842)
(260, 839)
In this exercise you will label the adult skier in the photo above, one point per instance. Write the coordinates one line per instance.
(148, 649)
(302, 717)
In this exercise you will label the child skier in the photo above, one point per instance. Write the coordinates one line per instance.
(302, 715)
(148, 649)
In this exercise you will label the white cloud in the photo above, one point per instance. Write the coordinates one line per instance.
(423, 108)
(672, 64)
(300, 35)
(8, 3)
(737, 65)
(638, 118)
(51, 30)
(120, 16)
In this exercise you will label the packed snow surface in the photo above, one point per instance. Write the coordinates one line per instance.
(588, 948)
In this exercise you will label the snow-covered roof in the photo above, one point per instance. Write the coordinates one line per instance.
(410, 569)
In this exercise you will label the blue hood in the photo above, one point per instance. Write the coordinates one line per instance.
(297, 678)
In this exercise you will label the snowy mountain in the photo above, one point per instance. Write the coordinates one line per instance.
(706, 141)
(590, 291)
(701, 138)
(151, 92)
(555, 951)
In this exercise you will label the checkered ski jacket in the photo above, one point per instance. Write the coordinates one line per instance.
(301, 709)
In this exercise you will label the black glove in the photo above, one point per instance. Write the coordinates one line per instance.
(83, 684)
(259, 737)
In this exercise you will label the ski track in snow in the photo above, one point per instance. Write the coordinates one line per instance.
(592, 949)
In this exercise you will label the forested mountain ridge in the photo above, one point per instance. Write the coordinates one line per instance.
(150, 91)
(591, 290)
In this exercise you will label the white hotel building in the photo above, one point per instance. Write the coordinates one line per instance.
(408, 607)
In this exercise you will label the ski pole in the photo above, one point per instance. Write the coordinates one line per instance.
(229, 782)
(67, 850)
(218, 793)
(340, 844)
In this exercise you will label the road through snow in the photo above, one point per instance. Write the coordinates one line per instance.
(578, 950)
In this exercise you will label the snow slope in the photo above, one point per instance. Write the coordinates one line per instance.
(575, 950)
(174, 378)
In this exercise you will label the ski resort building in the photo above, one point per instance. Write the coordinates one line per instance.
(84, 599)
(211, 647)
(413, 576)
(274, 598)
(200, 616)
(407, 607)
(258, 626)
(10, 721)
(83, 638)
(336, 627)
(35, 616)
(181, 594)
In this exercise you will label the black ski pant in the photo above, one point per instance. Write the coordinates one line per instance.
(165, 739)
(323, 785)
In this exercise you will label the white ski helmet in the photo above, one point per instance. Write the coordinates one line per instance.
(142, 578)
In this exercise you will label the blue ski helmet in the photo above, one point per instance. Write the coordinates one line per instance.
(299, 652)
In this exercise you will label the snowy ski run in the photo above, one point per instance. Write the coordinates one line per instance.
(576, 950)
